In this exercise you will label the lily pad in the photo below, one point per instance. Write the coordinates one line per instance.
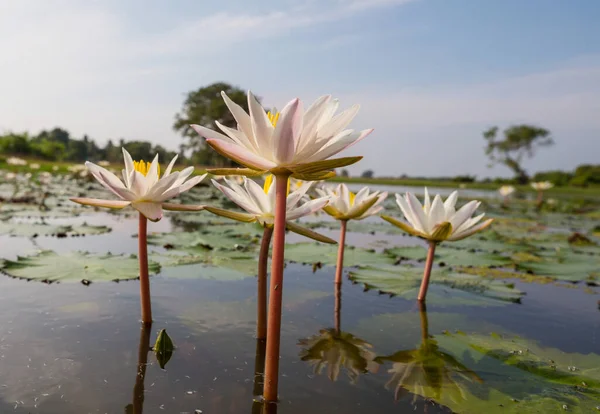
(200, 240)
(405, 281)
(50, 267)
(22, 229)
(326, 254)
(564, 265)
(450, 257)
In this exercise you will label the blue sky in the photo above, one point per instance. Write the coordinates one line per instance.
(430, 75)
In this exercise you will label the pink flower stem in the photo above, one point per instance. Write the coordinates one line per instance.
(427, 272)
(263, 260)
(340, 259)
(276, 291)
(144, 278)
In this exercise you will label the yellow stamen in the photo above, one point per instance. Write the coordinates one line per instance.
(143, 167)
(352, 197)
(269, 180)
(273, 117)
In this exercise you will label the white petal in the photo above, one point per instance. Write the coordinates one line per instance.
(191, 183)
(162, 186)
(152, 174)
(242, 119)
(421, 222)
(261, 126)
(330, 150)
(426, 202)
(450, 204)
(287, 131)
(237, 136)
(208, 133)
(239, 198)
(128, 165)
(437, 214)
(311, 121)
(362, 195)
(338, 123)
(468, 232)
(463, 214)
(170, 166)
(307, 208)
(258, 196)
(183, 175)
(242, 155)
(152, 211)
(297, 195)
(139, 185)
(469, 223)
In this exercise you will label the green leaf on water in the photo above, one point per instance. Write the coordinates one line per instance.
(163, 348)
(24, 229)
(450, 256)
(326, 254)
(564, 265)
(201, 240)
(49, 267)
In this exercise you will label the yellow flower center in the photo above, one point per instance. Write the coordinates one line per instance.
(273, 117)
(143, 167)
(352, 197)
(269, 180)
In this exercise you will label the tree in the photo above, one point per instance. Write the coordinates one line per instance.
(203, 107)
(344, 173)
(367, 174)
(519, 141)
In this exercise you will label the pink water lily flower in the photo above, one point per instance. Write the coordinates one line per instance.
(143, 188)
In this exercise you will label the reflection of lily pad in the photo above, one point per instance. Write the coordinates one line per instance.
(49, 267)
(450, 257)
(327, 254)
(521, 377)
(404, 281)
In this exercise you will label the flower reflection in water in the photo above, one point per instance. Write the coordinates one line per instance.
(428, 371)
(335, 349)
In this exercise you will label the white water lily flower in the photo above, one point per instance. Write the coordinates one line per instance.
(506, 190)
(143, 188)
(542, 185)
(291, 141)
(346, 205)
(16, 161)
(259, 202)
(438, 221)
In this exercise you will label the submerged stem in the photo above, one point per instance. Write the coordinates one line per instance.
(276, 291)
(427, 272)
(144, 278)
(263, 260)
(340, 259)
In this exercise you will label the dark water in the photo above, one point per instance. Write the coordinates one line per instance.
(74, 349)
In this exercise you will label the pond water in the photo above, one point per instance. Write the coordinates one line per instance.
(70, 348)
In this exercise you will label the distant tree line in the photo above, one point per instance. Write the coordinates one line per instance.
(58, 145)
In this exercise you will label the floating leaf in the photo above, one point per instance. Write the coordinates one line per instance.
(451, 257)
(163, 348)
(200, 240)
(326, 254)
(24, 229)
(49, 267)
(564, 265)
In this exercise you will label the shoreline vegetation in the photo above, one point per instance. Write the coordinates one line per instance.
(593, 190)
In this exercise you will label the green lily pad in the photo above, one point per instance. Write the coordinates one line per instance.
(564, 265)
(405, 281)
(450, 257)
(49, 267)
(216, 265)
(326, 254)
(22, 229)
(200, 240)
